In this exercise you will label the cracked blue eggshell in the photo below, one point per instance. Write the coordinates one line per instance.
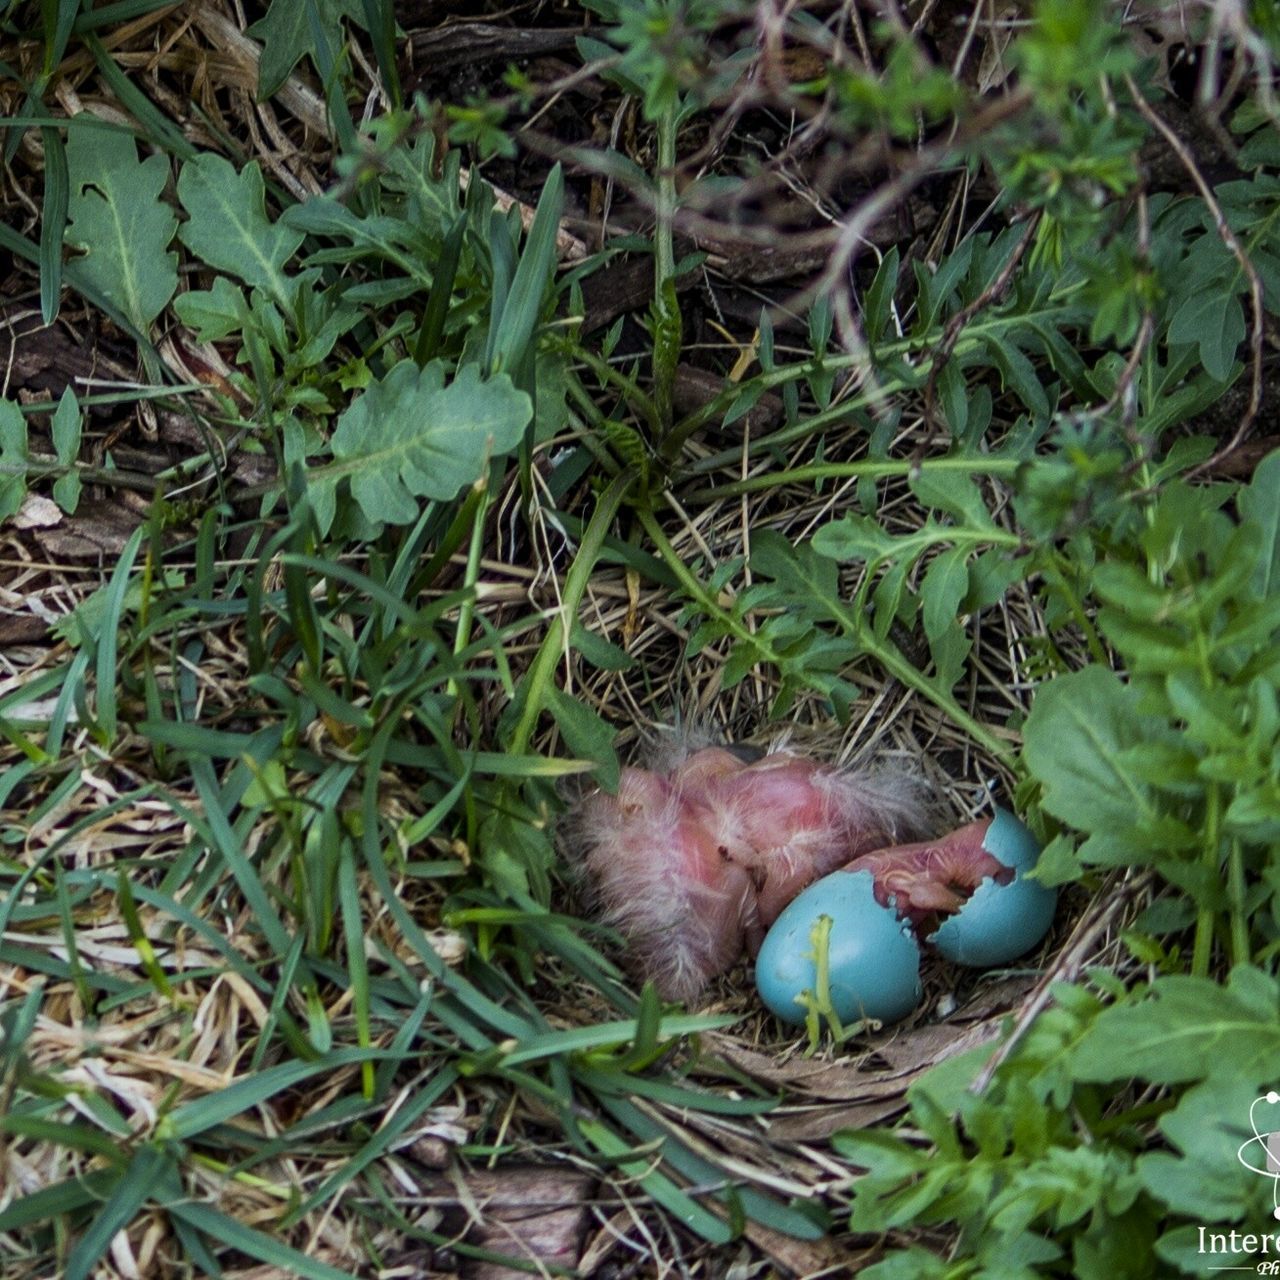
(874, 957)
(1000, 922)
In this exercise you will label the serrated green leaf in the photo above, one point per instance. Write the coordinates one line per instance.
(1018, 374)
(411, 436)
(950, 650)
(118, 219)
(991, 574)
(890, 600)
(1188, 1028)
(598, 651)
(955, 493)
(852, 538)
(228, 228)
(1074, 740)
(286, 36)
(1213, 318)
(630, 446)
(953, 395)
(1208, 1127)
(912, 1263)
(66, 492)
(213, 313)
(878, 305)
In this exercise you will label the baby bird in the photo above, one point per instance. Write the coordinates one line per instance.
(692, 864)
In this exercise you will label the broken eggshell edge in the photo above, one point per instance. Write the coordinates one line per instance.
(874, 958)
(1000, 922)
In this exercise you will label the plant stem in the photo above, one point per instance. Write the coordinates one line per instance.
(466, 613)
(664, 252)
(977, 466)
(1240, 953)
(1203, 945)
(704, 598)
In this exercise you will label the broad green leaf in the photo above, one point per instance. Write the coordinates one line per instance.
(286, 36)
(118, 219)
(853, 538)
(411, 436)
(1259, 505)
(1208, 1127)
(955, 493)
(945, 585)
(1074, 741)
(13, 458)
(213, 313)
(228, 228)
(1213, 318)
(1188, 1029)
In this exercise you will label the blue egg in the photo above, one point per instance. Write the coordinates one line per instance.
(1000, 922)
(874, 957)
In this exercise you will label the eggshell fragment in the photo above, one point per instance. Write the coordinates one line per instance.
(874, 961)
(1000, 922)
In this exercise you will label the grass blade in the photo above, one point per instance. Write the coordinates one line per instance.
(380, 18)
(53, 222)
(235, 1235)
(108, 637)
(133, 1188)
(523, 304)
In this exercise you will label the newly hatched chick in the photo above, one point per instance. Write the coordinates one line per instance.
(933, 877)
(694, 863)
